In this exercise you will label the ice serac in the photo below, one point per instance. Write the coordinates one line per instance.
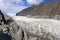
(44, 28)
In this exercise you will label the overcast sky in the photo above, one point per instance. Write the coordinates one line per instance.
(11, 7)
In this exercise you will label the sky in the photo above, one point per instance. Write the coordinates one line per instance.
(11, 7)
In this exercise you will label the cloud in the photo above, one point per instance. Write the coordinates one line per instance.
(9, 8)
(14, 6)
(35, 2)
(10, 1)
(17, 2)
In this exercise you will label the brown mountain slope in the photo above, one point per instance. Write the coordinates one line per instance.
(49, 9)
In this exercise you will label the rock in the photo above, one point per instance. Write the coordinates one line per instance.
(9, 30)
(2, 18)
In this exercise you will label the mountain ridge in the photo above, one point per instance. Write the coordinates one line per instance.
(49, 9)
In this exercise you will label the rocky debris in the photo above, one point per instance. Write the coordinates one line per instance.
(9, 30)
(5, 36)
(2, 19)
(4, 28)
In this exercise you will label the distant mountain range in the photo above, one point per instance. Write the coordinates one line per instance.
(49, 9)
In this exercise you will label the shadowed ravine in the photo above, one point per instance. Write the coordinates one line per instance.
(43, 28)
(5, 36)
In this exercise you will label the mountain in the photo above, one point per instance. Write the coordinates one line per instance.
(47, 10)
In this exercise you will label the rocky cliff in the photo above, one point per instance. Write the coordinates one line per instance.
(9, 30)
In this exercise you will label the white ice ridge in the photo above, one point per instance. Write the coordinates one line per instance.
(26, 19)
(33, 25)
